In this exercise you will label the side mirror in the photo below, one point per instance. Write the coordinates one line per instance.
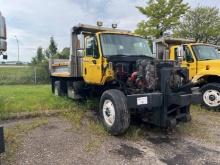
(180, 54)
(166, 57)
(80, 52)
(81, 41)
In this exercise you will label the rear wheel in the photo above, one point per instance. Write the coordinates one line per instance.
(53, 85)
(75, 89)
(211, 96)
(60, 88)
(114, 112)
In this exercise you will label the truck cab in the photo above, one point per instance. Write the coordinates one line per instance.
(203, 62)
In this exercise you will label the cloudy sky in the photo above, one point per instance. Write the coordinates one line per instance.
(34, 21)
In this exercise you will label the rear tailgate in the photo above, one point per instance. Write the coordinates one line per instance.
(60, 67)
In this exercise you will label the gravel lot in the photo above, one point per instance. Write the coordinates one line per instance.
(60, 143)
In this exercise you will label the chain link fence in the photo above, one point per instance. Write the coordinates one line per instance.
(24, 74)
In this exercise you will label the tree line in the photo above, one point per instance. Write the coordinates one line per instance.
(42, 56)
(163, 18)
(176, 18)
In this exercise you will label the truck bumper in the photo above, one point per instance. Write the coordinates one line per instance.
(185, 99)
(150, 100)
(164, 110)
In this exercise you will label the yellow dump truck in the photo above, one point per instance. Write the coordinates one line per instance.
(118, 67)
(202, 60)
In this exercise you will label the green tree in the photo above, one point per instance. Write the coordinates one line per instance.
(162, 16)
(65, 53)
(52, 49)
(39, 58)
(201, 24)
(47, 53)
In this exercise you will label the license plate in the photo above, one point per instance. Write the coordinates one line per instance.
(142, 100)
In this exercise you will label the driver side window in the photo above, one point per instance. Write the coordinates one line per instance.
(92, 47)
(188, 55)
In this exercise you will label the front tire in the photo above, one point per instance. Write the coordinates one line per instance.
(211, 96)
(114, 113)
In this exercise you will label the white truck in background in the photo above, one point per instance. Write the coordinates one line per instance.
(3, 49)
(3, 37)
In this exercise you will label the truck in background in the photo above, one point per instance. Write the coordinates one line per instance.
(3, 37)
(202, 60)
(3, 49)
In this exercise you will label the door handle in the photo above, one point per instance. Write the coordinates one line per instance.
(85, 71)
(94, 61)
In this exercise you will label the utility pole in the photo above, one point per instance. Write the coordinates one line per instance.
(18, 47)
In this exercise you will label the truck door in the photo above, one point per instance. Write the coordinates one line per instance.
(189, 61)
(92, 61)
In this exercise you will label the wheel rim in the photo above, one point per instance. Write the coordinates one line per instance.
(109, 112)
(212, 98)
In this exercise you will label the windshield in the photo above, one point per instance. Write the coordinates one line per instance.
(119, 44)
(206, 52)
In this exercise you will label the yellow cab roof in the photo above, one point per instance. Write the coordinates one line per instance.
(122, 33)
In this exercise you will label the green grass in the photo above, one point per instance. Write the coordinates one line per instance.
(204, 125)
(30, 98)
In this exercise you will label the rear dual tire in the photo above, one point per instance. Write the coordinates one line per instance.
(114, 112)
(59, 88)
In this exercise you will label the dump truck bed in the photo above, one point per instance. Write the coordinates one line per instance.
(173, 41)
(60, 67)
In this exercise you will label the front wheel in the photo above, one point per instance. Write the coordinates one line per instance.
(114, 112)
(211, 96)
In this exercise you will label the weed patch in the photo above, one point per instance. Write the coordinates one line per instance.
(30, 98)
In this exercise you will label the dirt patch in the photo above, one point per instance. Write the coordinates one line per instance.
(193, 155)
(173, 150)
(128, 152)
(49, 127)
(177, 159)
(63, 141)
(59, 142)
(162, 139)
